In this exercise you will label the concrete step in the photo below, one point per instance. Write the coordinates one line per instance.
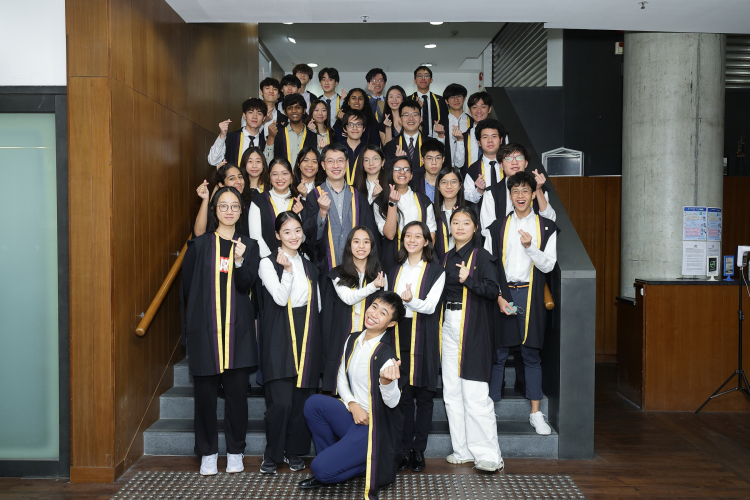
(178, 403)
(517, 439)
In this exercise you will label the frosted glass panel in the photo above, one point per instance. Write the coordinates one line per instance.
(29, 395)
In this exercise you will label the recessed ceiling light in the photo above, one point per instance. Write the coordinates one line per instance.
(429, 65)
(291, 39)
(312, 65)
(430, 46)
(287, 23)
(436, 23)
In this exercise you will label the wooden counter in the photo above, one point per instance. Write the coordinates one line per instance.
(677, 342)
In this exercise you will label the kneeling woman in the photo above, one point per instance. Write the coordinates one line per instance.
(419, 281)
(347, 295)
(468, 335)
(362, 435)
(290, 345)
(218, 272)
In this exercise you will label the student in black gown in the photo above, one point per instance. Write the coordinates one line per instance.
(329, 80)
(347, 294)
(357, 100)
(320, 124)
(448, 196)
(466, 150)
(304, 74)
(307, 171)
(286, 142)
(433, 107)
(219, 270)
(374, 176)
(290, 344)
(419, 280)
(229, 146)
(468, 346)
(270, 90)
(255, 172)
(390, 127)
(226, 175)
(432, 155)
(354, 124)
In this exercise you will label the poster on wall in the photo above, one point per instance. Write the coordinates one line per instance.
(694, 258)
(713, 224)
(694, 223)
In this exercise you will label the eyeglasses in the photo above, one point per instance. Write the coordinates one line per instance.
(410, 115)
(423, 76)
(375, 160)
(433, 159)
(276, 175)
(339, 161)
(511, 158)
(455, 97)
(517, 192)
(377, 80)
(405, 170)
(451, 183)
(355, 125)
(223, 207)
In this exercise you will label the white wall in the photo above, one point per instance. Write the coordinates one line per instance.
(406, 80)
(32, 43)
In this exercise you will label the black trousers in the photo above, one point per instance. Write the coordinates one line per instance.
(286, 429)
(416, 427)
(235, 412)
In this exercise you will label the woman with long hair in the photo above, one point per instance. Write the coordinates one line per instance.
(307, 171)
(347, 294)
(390, 127)
(319, 122)
(449, 195)
(226, 175)
(219, 269)
(419, 280)
(397, 206)
(375, 176)
(357, 99)
(468, 345)
(290, 344)
(282, 196)
(256, 171)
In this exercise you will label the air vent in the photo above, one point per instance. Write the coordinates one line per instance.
(519, 56)
(738, 62)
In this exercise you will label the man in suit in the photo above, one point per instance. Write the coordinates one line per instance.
(433, 108)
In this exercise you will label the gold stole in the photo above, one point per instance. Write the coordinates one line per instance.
(299, 365)
(223, 341)
(415, 295)
(352, 171)
(301, 144)
(463, 317)
(273, 204)
(358, 326)
(330, 233)
(531, 273)
(242, 141)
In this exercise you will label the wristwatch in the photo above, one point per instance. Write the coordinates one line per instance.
(391, 204)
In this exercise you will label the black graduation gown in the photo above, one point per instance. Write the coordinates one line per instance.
(356, 159)
(508, 334)
(268, 219)
(500, 197)
(480, 290)
(279, 145)
(417, 169)
(336, 324)
(277, 344)
(448, 162)
(424, 362)
(384, 449)
(208, 352)
(322, 253)
(438, 111)
(371, 134)
(475, 155)
(233, 153)
(389, 248)
(476, 169)
(443, 232)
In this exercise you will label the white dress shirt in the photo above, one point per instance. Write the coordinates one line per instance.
(254, 221)
(462, 122)
(458, 150)
(408, 206)
(306, 96)
(518, 259)
(470, 190)
(448, 213)
(310, 186)
(410, 276)
(218, 150)
(355, 296)
(359, 368)
(487, 212)
(292, 287)
(370, 188)
(332, 106)
(430, 118)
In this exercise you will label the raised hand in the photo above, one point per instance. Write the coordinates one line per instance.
(540, 180)
(302, 189)
(224, 128)
(282, 259)
(505, 308)
(203, 190)
(239, 251)
(400, 151)
(407, 295)
(379, 281)
(312, 126)
(268, 117)
(343, 94)
(457, 134)
(391, 372)
(525, 238)
(273, 129)
(322, 142)
(439, 128)
(324, 203)
(388, 122)
(377, 189)
(463, 272)
(480, 183)
(394, 195)
(298, 206)
(371, 86)
(221, 164)
(360, 416)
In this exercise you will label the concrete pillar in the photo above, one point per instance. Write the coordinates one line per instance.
(672, 145)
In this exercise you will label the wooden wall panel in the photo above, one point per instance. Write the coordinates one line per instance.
(139, 137)
(736, 222)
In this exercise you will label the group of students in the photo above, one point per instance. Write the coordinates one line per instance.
(354, 276)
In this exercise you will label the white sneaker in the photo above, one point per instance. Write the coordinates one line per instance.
(208, 465)
(537, 422)
(453, 459)
(489, 466)
(234, 463)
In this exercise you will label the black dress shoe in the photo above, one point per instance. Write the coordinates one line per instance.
(406, 462)
(417, 461)
(310, 483)
(268, 466)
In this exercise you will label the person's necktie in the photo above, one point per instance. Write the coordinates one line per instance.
(252, 141)
(426, 116)
(328, 105)
(411, 149)
(493, 174)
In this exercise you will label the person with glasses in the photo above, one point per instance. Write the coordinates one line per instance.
(375, 176)
(390, 127)
(226, 175)
(291, 345)
(448, 197)
(397, 206)
(354, 124)
(524, 244)
(333, 209)
(487, 170)
(218, 272)
(376, 80)
(283, 196)
(409, 142)
(432, 106)
(433, 154)
(229, 146)
(304, 74)
(497, 202)
(356, 100)
(286, 142)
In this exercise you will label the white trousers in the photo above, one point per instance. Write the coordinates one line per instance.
(471, 412)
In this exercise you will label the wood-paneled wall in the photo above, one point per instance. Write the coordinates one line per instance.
(736, 215)
(145, 94)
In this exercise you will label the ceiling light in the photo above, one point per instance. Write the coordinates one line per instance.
(312, 65)
(430, 46)
(429, 65)
(436, 23)
(287, 23)
(291, 39)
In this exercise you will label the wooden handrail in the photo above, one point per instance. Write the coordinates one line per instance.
(159, 298)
